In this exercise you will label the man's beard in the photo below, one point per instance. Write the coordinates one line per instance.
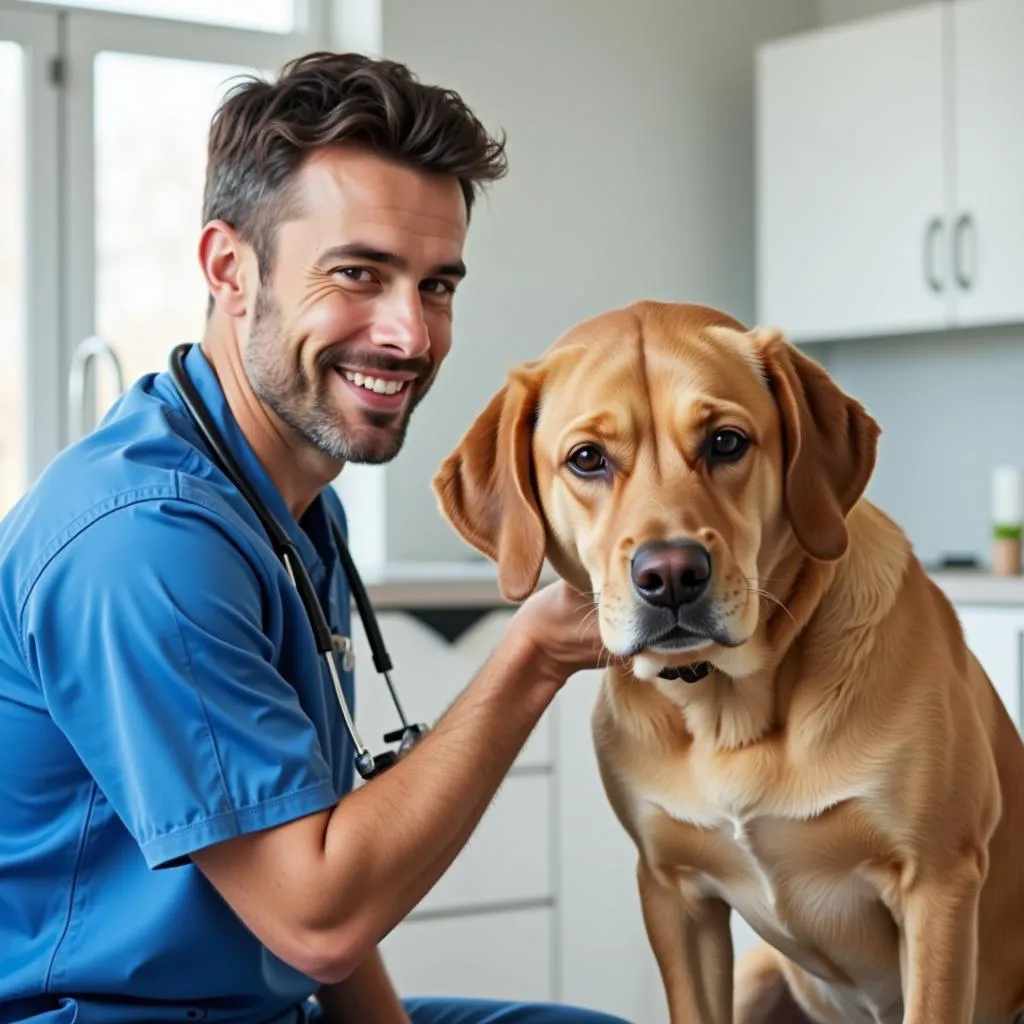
(305, 405)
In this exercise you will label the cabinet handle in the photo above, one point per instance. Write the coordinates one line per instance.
(963, 223)
(931, 233)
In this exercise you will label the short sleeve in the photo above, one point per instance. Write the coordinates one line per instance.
(148, 634)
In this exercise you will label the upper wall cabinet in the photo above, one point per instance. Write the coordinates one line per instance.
(987, 131)
(891, 173)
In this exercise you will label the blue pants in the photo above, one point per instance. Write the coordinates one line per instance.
(483, 1011)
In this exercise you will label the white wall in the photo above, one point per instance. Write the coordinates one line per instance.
(951, 409)
(631, 175)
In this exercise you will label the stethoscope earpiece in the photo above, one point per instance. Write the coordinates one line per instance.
(368, 765)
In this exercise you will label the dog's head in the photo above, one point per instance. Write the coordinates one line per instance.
(664, 458)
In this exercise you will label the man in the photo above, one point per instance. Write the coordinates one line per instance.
(179, 834)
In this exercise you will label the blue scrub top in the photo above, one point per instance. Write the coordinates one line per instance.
(160, 690)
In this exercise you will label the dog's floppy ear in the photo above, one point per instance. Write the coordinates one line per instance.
(830, 445)
(485, 486)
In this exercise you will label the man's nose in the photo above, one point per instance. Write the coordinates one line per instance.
(400, 325)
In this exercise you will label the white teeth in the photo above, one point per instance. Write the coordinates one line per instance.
(375, 384)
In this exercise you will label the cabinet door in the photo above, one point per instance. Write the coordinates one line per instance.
(502, 955)
(996, 636)
(853, 237)
(988, 228)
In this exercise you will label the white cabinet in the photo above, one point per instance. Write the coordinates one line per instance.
(851, 189)
(988, 222)
(890, 173)
(996, 636)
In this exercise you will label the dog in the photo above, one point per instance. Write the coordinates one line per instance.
(791, 725)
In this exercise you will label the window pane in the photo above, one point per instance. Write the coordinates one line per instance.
(150, 292)
(12, 279)
(266, 15)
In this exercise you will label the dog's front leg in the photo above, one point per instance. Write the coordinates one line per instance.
(939, 944)
(692, 945)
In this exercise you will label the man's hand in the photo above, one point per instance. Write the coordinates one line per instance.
(561, 625)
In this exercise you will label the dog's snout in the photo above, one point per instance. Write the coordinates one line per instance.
(670, 574)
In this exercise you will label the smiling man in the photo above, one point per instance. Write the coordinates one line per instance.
(180, 838)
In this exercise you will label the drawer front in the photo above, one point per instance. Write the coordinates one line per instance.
(485, 956)
(508, 858)
(429, 673)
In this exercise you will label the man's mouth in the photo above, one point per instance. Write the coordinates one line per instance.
(378, 385)
(383, 393)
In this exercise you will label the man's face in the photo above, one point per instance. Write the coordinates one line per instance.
(350, 330)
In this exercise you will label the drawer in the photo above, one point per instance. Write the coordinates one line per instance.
(429, 673)
(505, 955)
(509, 856)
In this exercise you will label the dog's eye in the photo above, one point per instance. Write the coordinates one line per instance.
(587, 460)
(727, 445)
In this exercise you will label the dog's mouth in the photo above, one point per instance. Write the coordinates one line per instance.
(678, 638)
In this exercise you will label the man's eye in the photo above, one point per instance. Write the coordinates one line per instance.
(435, 286)
(358, 275)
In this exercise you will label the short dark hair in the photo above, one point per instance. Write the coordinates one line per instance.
(263, 131)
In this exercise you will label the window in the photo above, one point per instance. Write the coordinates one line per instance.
(12, 277)
(150, 293)
(101, 182)
(265, 15)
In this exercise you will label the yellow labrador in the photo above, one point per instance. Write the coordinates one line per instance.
(791, 726)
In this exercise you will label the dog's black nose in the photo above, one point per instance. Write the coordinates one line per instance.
(670, 574)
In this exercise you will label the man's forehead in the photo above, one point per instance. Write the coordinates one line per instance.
(356, 184)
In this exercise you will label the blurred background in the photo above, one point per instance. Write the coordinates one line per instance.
(849, 170)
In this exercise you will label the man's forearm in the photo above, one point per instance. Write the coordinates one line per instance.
(423, 810)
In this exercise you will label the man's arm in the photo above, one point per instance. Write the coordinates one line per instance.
(323, 890)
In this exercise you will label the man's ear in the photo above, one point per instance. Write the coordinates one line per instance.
(830, 445)
(485, 487)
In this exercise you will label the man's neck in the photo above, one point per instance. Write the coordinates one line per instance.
(298, 472)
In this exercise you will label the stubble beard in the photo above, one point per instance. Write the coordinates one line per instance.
(305, 406)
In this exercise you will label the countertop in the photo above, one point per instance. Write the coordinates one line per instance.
(973, 586)
(474, 584)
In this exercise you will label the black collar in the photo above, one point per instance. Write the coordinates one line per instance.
(688, 673)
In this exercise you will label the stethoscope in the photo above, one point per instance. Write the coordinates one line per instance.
(368, 765)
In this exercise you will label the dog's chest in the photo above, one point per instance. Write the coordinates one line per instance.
(788, 864)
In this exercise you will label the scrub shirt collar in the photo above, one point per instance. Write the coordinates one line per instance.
(206, 383)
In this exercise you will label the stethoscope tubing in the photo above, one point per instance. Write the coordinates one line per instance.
(366, 763)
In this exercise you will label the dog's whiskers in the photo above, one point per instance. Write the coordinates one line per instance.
(771, 597)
